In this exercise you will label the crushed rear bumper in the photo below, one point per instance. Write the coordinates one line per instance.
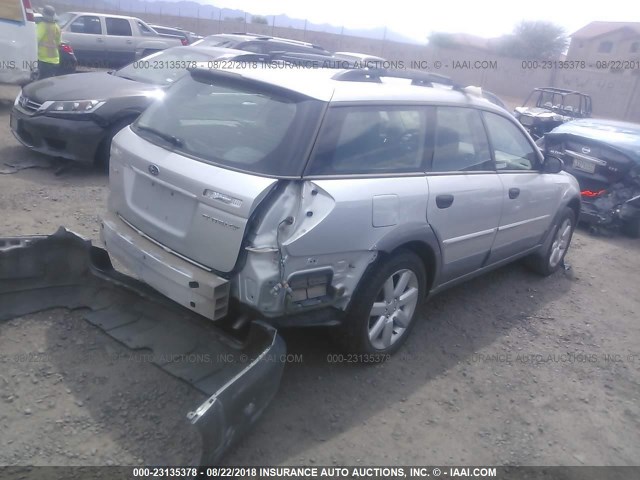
(240, 376)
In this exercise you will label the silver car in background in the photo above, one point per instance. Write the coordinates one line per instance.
(324, 197)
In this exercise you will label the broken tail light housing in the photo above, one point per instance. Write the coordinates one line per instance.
(311, 286)
(592, 193)
(66, 48)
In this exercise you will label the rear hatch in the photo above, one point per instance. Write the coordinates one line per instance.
(191, 172)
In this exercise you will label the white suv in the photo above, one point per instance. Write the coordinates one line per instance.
(316, 196)
(18, 42)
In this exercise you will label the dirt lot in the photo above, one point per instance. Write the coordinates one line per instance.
(507, 369)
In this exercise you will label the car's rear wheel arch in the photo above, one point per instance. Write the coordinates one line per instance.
(402, 266)
(426, 254)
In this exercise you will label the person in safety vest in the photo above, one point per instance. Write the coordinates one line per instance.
(49, 34)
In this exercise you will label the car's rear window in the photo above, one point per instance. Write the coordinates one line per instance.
(11, 10)
(236, 126)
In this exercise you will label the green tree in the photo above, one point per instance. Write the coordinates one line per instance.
(533, 40)
(259, 19)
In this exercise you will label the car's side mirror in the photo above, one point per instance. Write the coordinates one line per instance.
(552, 164)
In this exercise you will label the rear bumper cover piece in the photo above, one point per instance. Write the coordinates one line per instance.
(240, 376)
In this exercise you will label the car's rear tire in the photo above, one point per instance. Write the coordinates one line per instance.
(385, 306)
(104, 149)
(549, 261)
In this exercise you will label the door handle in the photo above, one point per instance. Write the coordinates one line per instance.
(99, 40)
(129, 42)
(444, 201)
(513, 193)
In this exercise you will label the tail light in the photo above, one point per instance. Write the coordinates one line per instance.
(592, 193)
(184, 41)
(66, 48)
(28, 10)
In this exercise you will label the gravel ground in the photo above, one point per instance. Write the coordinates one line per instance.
(509, 368)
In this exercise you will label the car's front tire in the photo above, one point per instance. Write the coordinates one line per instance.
(552, 258)
(385, 306)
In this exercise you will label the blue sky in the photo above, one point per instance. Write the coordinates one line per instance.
(415, 18)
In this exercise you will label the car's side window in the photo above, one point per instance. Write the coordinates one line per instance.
(460, 141)
(371, 140)
(119, 27)
(511, 149)
(86, 24)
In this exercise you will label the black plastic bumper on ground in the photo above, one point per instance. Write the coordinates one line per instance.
(63, 270)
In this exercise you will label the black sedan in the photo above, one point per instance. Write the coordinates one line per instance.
(76, 116)
(604, 156)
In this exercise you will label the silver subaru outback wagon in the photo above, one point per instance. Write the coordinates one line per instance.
(328, 197)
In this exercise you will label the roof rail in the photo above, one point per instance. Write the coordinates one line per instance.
(417, 77)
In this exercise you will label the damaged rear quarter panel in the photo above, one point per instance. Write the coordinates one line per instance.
(340, 224)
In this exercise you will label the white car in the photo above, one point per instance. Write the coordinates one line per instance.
(18, 42)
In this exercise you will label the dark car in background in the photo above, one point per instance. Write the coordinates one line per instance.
(255, 43)
(604, 156)
(76, 116)
(546, 108)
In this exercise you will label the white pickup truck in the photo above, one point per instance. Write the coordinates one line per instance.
(18, 43)
(111, 40)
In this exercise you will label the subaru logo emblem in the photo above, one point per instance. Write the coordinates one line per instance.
(154, 170)
(586, 150)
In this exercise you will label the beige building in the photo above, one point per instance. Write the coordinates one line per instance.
(606, 41)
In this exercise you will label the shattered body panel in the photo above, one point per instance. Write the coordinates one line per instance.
(604, 156)
(240, 376)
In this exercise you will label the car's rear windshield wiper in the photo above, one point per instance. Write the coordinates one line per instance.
(175, 141)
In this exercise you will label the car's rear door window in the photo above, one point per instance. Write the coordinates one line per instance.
(119, 27)
(460, 141)
(371, 140)
(86, 24)
(511, 149)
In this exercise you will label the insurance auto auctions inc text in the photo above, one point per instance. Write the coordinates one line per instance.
(376, 472)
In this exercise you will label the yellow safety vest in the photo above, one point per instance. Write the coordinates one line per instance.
(48, 42)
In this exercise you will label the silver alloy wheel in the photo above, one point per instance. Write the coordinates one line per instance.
(393, 309)
(560, 243)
